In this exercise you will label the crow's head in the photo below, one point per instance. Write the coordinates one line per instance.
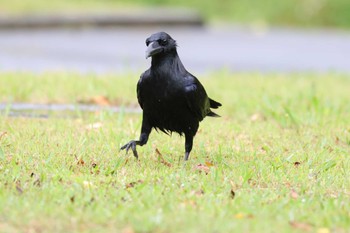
(159, 43)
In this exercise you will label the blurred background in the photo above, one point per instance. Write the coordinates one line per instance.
(236, 35)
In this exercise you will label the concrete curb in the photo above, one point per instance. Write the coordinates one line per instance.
(139, 18)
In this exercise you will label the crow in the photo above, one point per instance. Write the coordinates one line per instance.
(172, 99)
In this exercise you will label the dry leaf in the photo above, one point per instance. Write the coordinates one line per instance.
(81, 162)
(296, 164)
(128, 230)
(301, 225)
(132, 184)
(161, 159)
(191, 203)
(99, 100)
(19, 189)
(2, 134)
(198, 192)
(209, 164)
(37, 183)
(202, 168)
(232, 194)
(293, 194)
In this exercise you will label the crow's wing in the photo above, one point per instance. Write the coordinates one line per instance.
(140, 86)
(196, 97)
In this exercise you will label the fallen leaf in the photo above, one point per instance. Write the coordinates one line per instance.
(81, 162)
(132, 184)
(128, 230)
(72, 199)
(161, 159)
(209, 164)
(37, 183)
(2, 134)
(98, 100)
(301, 225)
(202, 168)
(19, 189)
(191, 203)
(296, 164)
(293, 194)
(198, 192)
(232, 194)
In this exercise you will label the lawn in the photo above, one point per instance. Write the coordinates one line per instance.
(276, 161)
(326, 13)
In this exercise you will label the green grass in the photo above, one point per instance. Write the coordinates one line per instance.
(282, 146)
(329, 13)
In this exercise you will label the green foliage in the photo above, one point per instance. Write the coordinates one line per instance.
(276, 161)
(327, 13)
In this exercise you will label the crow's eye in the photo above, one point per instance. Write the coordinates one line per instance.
(163, 42)
(147, 42)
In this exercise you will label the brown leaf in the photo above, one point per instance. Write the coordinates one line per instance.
(19, 189)
(301, 225)
(198, 192)
(81, 162)
(133, 184)
(296, 164)
(243, 216)
(99, 100)
(294, 194)
(2, 134)
(191, 203)
(128, 230)
(202, 168)
(161, 159)
(72, 199)
(232, 194)
(209, 164)
(37, 183)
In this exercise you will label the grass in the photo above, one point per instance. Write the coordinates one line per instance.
(329, 13)
(277, 160)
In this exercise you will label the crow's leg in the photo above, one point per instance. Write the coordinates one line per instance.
(145, 131)
(188, 145)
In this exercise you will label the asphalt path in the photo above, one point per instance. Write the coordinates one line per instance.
(201, 49)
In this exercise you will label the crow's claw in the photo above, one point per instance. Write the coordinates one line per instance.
(132, 144)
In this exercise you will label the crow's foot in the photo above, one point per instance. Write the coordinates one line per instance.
(132, 144)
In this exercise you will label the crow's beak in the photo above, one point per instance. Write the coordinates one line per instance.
(153, 48)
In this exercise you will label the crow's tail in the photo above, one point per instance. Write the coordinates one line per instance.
(214, 104)
(213, 114)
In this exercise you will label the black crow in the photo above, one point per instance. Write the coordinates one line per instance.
(172, 99)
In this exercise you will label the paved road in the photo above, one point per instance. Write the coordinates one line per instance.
(201, 49)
